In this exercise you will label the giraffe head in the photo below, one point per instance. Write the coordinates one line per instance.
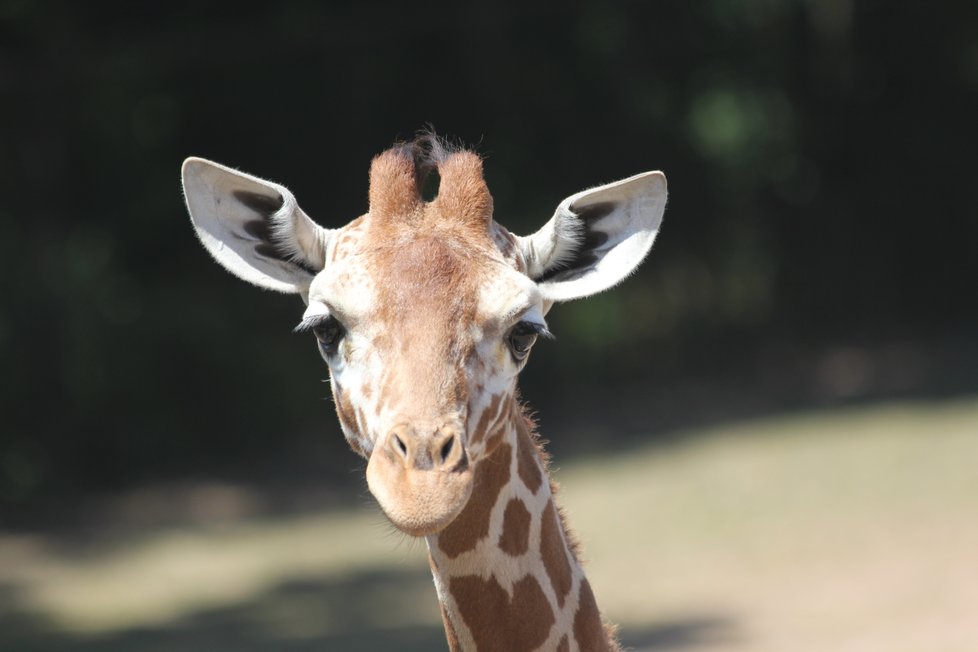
(424, 311)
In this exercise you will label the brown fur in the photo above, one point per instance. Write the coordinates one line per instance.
(488, 415)
(398, 174)
(527, 465)
(394, 191)
(426, 298)
(553, 553)
(533, 463)
(484, 605)
(589, 631)
(463, 194)
(472, 525)
(515, 537)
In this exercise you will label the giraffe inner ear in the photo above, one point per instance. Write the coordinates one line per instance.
(596, 238)
(253, 228)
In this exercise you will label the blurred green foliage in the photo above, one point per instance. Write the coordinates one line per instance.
(820, 155)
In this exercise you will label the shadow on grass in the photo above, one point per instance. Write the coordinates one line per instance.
(365, 611)
(361, 611)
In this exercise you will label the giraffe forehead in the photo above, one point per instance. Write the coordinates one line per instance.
(346, 288)
(399, 274)
(469, 279)
(425, 283)
(505, 294)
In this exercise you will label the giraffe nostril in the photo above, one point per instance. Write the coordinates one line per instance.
(446, 449)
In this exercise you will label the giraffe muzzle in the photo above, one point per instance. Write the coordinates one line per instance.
(423, 451)
(421, 477)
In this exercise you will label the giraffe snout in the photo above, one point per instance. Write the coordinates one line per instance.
(427, 449)
(421, 476)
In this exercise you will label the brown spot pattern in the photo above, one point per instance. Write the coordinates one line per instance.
(515, 537)
(554, 554)
(472, 524)
(497, 430)
(487, 415)
(527, 465)
(497, 437)
(501, 624)
(564, 645)
(588, 629)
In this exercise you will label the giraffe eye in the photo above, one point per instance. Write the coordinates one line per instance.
(522, 337)
(329, 332)
(327, 329)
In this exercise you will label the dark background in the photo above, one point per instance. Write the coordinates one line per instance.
(818, 248)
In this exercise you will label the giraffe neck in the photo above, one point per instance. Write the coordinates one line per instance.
(506, 569)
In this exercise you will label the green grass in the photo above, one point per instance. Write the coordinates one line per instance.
(852, 529)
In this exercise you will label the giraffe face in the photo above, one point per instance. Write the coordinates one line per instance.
(424, 310)
(425, 328)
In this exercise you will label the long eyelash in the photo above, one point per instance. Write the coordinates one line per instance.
(541, 330)
(311, 322)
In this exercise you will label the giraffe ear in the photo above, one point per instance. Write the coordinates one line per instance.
(254, 228)
(596, 238)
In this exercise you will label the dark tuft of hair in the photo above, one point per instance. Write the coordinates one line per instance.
(428, 150)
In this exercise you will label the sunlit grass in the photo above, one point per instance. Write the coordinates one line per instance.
(847, 530)
(851, 529)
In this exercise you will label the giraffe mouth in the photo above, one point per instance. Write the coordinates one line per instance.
(419, 499)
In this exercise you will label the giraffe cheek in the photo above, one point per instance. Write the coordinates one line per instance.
(350, 419)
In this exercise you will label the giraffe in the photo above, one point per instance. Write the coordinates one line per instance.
(425, 312)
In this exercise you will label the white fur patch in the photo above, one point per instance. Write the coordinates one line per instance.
(222, 221)
(630, 227)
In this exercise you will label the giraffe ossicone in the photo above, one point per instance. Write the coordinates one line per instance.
(425, 312)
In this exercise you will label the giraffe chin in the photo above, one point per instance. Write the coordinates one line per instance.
(419, 502)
